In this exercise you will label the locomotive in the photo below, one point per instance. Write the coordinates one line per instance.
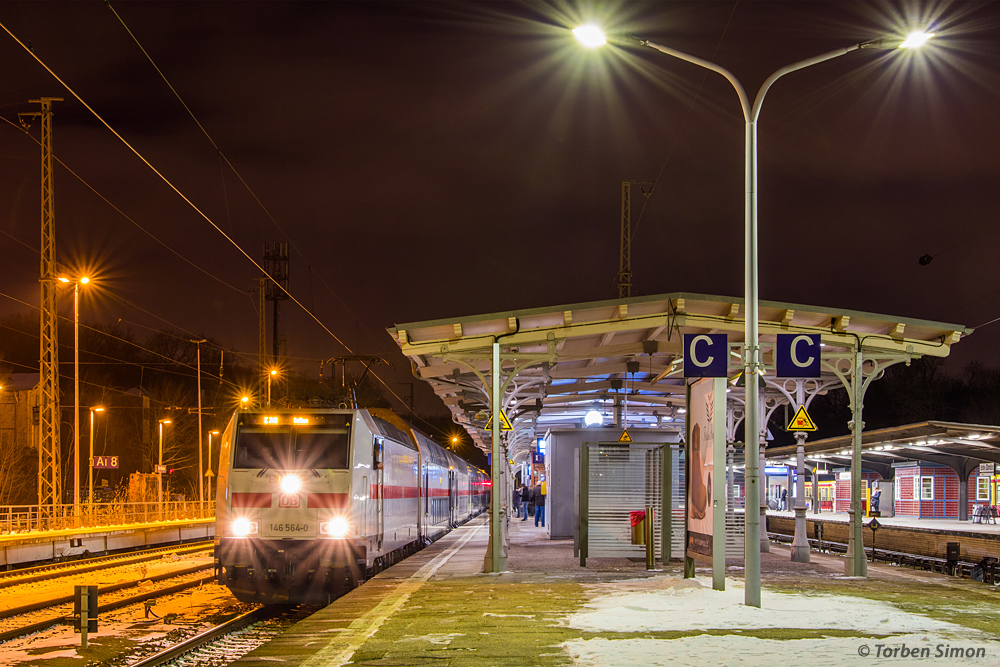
(312, 502)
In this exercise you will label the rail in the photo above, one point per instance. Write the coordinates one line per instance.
(19, 519)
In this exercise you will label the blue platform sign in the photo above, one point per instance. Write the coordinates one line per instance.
(706, 355)
(798, 356)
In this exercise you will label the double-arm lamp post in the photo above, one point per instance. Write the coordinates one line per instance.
(592, 36)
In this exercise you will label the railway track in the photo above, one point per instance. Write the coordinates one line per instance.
(37, 616)
(57, 569)
(228, 641)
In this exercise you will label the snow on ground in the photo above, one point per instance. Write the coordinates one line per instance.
(734, 650)
(690, 605)
(676, 604)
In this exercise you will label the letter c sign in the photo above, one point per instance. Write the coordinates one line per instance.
(706, 355)
(798, 356)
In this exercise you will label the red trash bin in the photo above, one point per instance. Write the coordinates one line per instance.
(638, 521)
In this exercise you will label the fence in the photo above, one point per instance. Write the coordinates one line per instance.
(17, 519)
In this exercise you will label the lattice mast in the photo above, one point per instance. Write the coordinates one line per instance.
(276, 265)
(261, 334)
(49, 450)
(625, 256)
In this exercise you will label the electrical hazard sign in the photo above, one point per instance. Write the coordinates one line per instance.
(801, 421)
(625, 437)
(504, 423)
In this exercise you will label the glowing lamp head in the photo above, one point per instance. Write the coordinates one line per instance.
(98, 409)
(64, 280)
(291, 484)
(590, 36)
(274, 371)
(245, 400)
(916, 39)
(337, 527)
(593, 418)
(242, 527)
(85, 280)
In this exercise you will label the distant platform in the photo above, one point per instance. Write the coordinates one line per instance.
(37, 546)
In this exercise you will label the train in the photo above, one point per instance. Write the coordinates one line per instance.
(311, 502)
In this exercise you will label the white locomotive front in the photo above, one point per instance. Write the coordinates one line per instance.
(311, 502)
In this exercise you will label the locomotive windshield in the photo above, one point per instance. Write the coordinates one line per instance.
(283, 448)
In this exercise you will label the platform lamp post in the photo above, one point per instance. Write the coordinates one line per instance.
(592, 36)
(159, 469)
(76, 388)
(272, 373)
(208, 473)
(90, 477)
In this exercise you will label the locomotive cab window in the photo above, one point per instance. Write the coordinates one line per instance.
(292, 448)
(257, 448)
(327, 448)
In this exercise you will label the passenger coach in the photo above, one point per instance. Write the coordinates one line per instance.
(312, 502)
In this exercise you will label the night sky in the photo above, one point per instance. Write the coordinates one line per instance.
(430, 160)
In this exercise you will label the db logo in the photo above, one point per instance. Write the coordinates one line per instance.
(288, 500)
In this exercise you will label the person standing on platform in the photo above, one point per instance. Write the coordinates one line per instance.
(538, 500)
(524, 502)
(784, 499)
(515, 500)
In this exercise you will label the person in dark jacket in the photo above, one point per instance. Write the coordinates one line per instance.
(515, 501)
(784, 499)
(538, 500)
(524, 502)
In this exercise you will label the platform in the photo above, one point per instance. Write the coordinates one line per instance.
(901, 521)
(29, 547)
(437, 608)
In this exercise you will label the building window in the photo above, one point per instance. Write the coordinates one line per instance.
(927, 488)
(915, 490)
(897, 489)
(982, 488)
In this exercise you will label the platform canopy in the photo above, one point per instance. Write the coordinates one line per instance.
(571, 359)
(959, 446)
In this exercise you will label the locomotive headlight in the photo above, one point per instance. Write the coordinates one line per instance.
(291, 484)
(243, 527)
(338, 527)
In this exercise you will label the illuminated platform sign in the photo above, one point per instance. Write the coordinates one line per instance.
(105, 463)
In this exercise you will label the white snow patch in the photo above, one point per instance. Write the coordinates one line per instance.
(732, 650)
(508, 615)
(675, 604)
(441, 639)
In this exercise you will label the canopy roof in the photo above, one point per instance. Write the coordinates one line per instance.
(932, 441)
(581, 354)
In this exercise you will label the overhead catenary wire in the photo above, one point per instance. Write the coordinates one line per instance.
(224, 157)
(201, 213)
(684, 122)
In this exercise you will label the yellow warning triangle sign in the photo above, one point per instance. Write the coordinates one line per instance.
(801, 421)
(625, 436)
(504, 423)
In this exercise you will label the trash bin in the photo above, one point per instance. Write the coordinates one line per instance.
(638, 521)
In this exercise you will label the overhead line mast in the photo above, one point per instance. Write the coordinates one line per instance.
(49, 442)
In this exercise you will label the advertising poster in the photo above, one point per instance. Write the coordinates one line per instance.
(706, 431)
(701, 469)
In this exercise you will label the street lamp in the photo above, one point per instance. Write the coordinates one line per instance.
(592, 37)
(76, 388)
(159, 469)
(90, 477)
(273, 373)
(209, 473)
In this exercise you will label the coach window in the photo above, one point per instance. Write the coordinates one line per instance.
(325, 449)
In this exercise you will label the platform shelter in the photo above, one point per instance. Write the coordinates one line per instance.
(932, 469)
(620, 362)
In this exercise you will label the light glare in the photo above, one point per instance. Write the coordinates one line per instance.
(290, 484)
(915, 40)
(593, 418)
(590, 36)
